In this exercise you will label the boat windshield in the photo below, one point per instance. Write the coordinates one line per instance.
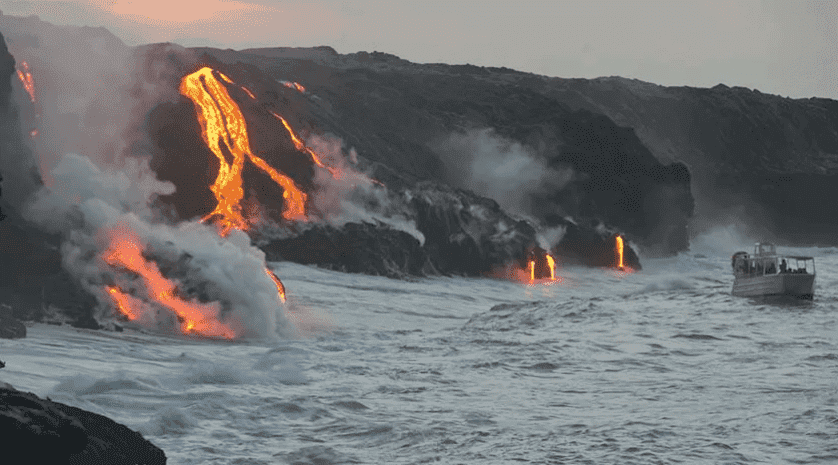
(801, 265)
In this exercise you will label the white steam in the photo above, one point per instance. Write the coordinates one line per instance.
(498, 168)
(89, 202)
(351, 196)
(550, 237)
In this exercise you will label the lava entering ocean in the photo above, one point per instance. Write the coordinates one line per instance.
(224, 131)
(125, 251)
(618, 245)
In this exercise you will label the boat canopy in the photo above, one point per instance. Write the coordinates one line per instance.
(764, 248)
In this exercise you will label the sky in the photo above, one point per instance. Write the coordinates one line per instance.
(789, 48)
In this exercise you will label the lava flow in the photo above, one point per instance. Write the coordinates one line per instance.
(302, 147)
(294, 85)
(223, 122)
(26, 79)
(195, 318)
(619, 250)
(541, 267)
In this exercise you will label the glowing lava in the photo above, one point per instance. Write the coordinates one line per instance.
(299, 145)
(122, 302)
(280, 288)
(26, 79)
(619, 249)
(294, 85)
(195, 318)
(222, 122)
(552, 265)
(536, 263)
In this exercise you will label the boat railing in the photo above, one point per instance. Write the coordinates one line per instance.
(769, 265)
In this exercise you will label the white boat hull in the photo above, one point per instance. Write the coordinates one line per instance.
(784, 284)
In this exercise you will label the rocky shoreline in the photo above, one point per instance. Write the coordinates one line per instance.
(36, 430)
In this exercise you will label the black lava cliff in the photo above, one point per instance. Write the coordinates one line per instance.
(35, 430)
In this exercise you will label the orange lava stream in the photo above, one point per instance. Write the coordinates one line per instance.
(248, 92)
(26, 79)
(122, 302)
(552, 264)
(532, 271)
(294, 85)
(280, 288)
(301, 146)
(196, 318)
(619, 241)
(223, 122)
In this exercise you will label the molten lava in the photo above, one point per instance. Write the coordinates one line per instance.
(294, 85)
(280, 288)
(26, 79)
(552, 265)
(619, 250)
(301, 146)
(542, 267)
(122, 302)
(125, 251)
(222, 122)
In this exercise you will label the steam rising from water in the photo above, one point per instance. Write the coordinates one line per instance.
(93, 94)
(85, 202)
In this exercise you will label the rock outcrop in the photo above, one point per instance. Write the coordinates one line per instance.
(35, 430)
(766, 161)
(462, 234)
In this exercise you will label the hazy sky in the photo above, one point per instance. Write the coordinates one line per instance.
(788, 48)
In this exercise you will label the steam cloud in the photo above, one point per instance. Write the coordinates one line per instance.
(353, 196)
(93, 102)
(498, 168)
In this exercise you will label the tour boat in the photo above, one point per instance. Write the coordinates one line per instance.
(766, 274)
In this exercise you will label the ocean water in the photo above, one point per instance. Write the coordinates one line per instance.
(657, 366)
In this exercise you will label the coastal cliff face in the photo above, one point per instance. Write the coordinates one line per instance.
(768, 161)
(402, 117)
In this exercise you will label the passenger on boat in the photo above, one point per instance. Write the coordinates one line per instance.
(783, 266)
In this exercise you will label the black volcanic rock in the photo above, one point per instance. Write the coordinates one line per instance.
(35, 430)
(593, 247)
(393, 112)
(767, 161)
(355, 248)
(464, 234)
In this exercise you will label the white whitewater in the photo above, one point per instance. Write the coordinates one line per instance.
(658, 366)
